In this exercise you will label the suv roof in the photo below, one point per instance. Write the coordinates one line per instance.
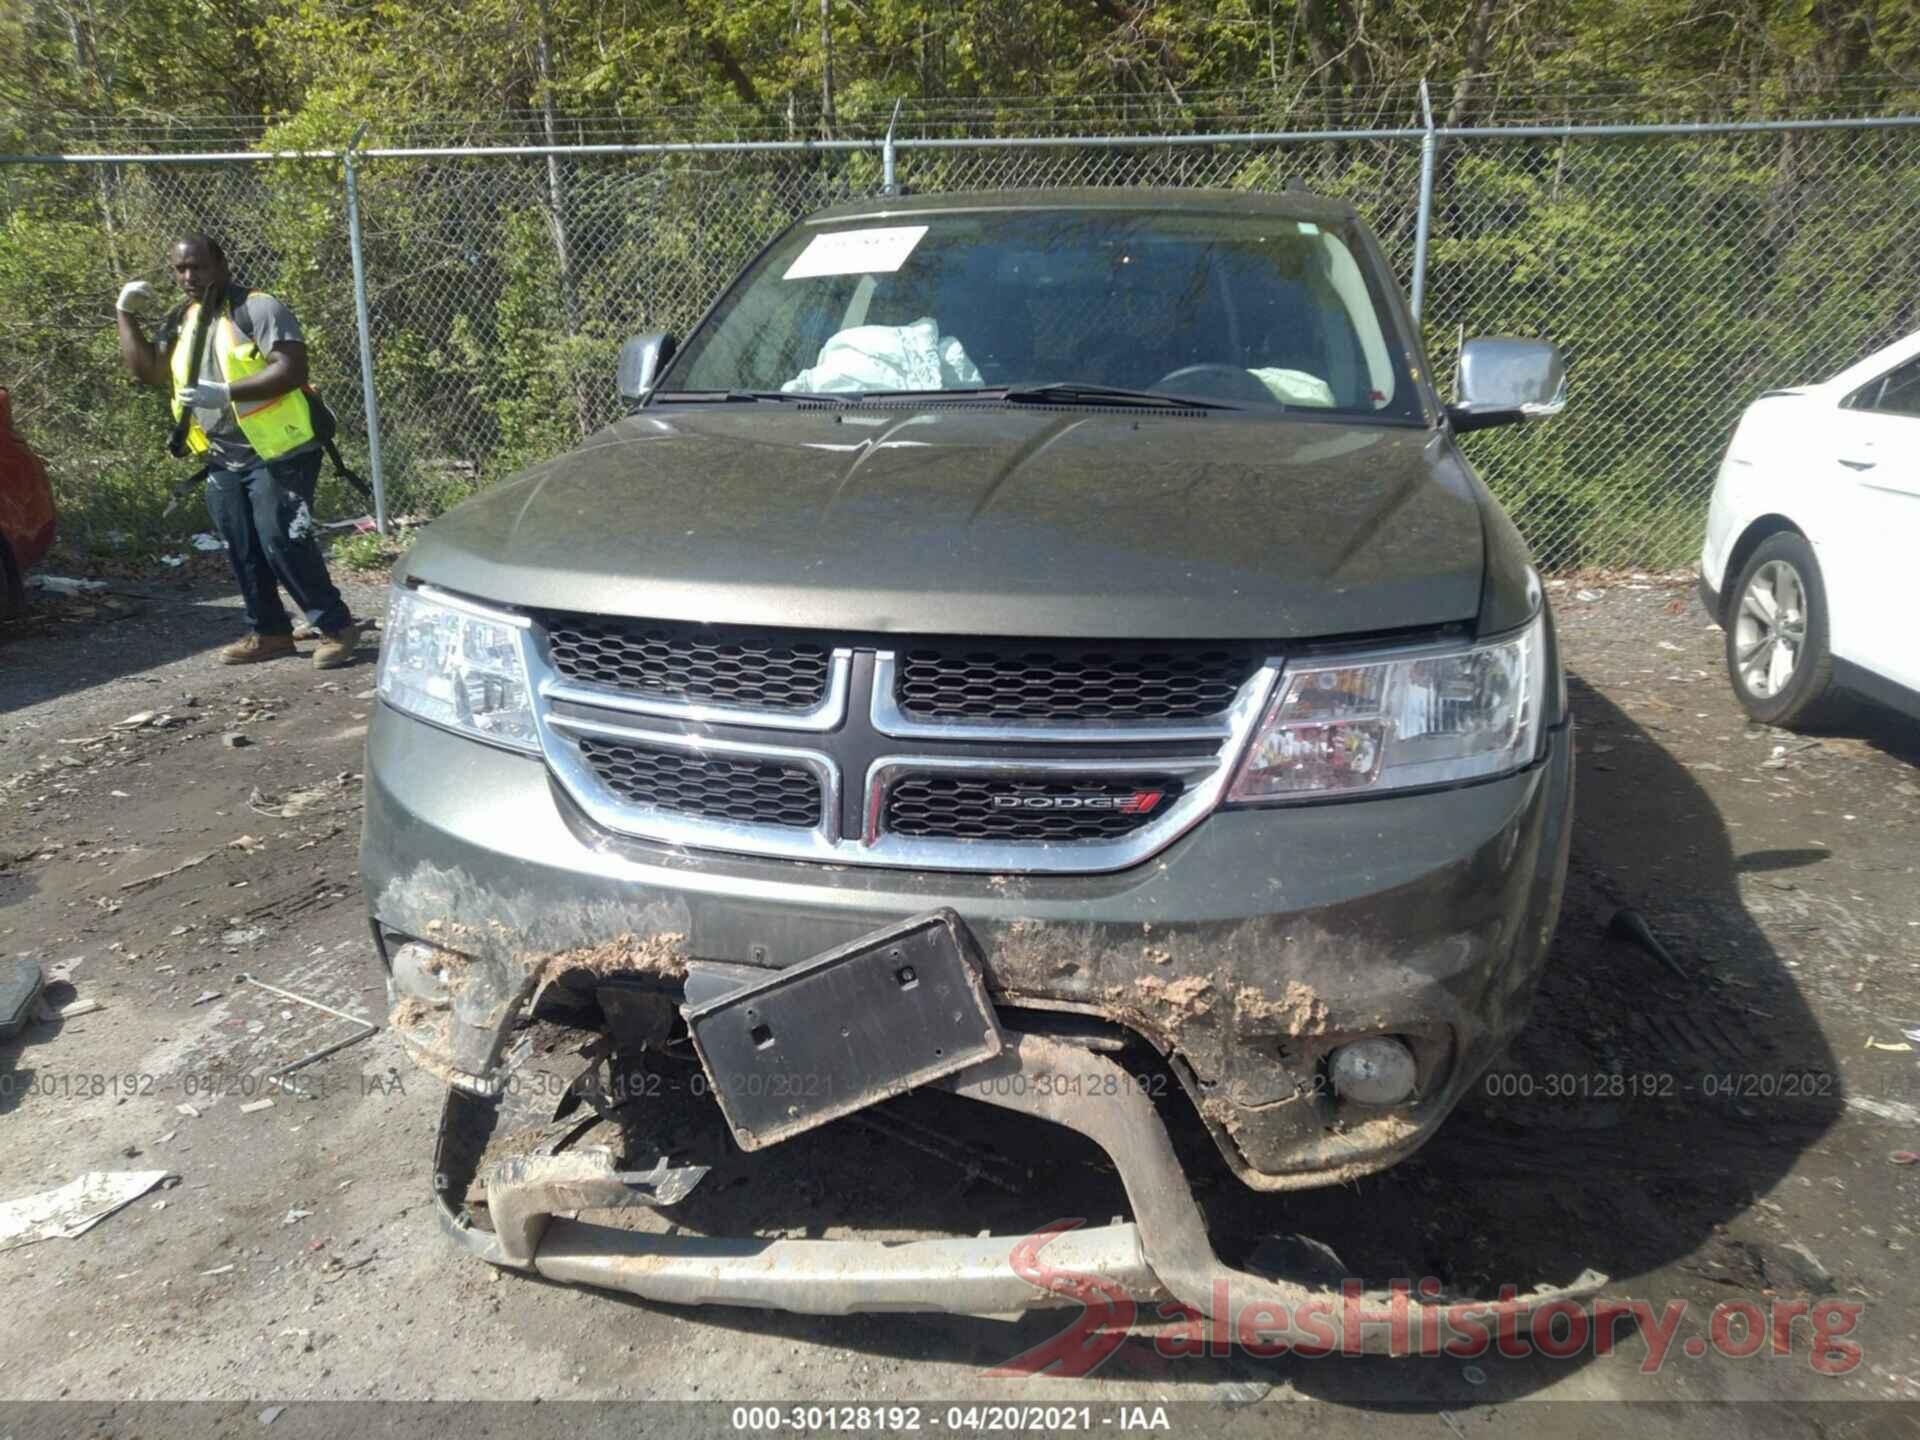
(1283, 204)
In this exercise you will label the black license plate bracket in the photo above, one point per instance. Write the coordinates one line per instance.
(846, 1029)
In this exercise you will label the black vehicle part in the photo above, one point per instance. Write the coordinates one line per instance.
(891, 1011)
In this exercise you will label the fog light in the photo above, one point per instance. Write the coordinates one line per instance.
(1376, 1071)
(420, 970)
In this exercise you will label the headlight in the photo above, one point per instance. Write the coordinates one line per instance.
(458, 665)
(1363, 726)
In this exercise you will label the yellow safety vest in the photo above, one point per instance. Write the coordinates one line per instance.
(272, 427)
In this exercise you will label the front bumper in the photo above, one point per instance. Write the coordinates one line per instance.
(1244, 953)
(1162, 1256)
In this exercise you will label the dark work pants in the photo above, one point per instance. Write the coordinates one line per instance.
(265, 515)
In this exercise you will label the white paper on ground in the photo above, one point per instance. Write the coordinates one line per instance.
(888, 357)
(856, 252)
(73, 1209)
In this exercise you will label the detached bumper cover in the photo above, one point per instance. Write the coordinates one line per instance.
(1162, 1256)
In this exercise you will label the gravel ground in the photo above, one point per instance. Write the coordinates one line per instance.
(1719, 1131)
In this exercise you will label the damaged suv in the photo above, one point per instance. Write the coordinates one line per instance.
(1045, 647)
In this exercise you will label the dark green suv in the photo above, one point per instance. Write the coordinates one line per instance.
(1045, 647)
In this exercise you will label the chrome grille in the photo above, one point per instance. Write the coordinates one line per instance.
(797, 744)
(1053, 684)
(967, 807)
(694, 664)
(706, 787)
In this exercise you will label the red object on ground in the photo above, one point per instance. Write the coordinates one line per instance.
(26, 510)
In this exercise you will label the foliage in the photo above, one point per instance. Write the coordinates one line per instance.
(368, 550)
(1680, 275)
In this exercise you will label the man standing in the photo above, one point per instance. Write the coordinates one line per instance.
(241, 408)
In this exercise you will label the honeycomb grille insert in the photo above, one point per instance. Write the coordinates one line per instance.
(956, 807)
(706, 787)
(1060, 684)
(694, 664)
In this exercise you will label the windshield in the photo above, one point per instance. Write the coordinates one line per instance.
(1245, 310)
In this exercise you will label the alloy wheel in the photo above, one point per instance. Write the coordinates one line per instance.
(1771, 629)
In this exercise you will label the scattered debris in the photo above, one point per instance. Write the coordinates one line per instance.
(254, 1106)
(206, 542)
(278, 1077)
(1630, 925)
(271, 1414)
(71, 1011)
(217, 1270)
(1898, 1047)
(336, 1267)
(73, 1208)
(244, 935)
(1905, 1157)
(235, 740)
(64, 585)
(247, 843)
(288, 807)
(173, 562)
(184, 865)
(203, 997)
(1895, 1111)
(187, 1110)
(294, 1217)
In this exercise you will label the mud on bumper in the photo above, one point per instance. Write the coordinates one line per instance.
(1243, 955)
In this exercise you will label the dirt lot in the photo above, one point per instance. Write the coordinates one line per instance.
(1722, 1131)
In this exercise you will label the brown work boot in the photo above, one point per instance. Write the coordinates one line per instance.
(336, 647)
(257, 647)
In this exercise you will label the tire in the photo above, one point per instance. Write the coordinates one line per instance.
(1778, 658)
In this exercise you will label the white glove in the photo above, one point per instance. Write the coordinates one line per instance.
(135, 295)
(205, 395)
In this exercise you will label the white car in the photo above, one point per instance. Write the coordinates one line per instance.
(1814, 525)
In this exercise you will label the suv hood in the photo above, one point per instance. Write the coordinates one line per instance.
(981, 519)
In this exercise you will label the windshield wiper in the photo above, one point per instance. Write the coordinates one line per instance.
(1068, 391)
(721, 397)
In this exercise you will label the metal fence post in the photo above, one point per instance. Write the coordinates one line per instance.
(887, 184)
(1423, 224)
(371, 402)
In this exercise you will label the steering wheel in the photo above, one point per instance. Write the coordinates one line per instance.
(1225, 382)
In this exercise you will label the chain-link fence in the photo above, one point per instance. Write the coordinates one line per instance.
(1683, 270)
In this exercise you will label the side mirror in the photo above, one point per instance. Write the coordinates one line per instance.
(641, 360)
(1502, 381)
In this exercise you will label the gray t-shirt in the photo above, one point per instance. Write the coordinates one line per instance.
(272, 323)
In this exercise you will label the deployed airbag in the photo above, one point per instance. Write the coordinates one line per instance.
(888, 357)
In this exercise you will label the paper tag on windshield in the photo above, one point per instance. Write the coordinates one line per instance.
(856, 252)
